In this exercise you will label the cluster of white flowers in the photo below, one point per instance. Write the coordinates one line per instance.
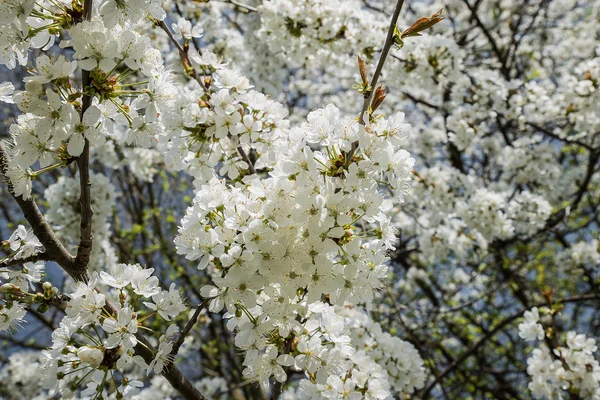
(307, 32)
(399, 359)
(377, 364)
(278, 245)
(570, 369)
(17, 281)
(585, 253)
(91, 344)
(50, 130)
(531, 329)
(23, 243)
(202, 129)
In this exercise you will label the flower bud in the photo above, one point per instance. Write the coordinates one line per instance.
(9, 288)
(90, 355)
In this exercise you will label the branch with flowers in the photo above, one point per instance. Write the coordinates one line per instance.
(282, 267)
(198, 203)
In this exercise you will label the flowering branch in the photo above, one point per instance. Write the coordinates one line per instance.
(507, 321)
(9, 262)
(183, 54)
(389, 41)
(170, 371)
(55, 250)
(191, 71)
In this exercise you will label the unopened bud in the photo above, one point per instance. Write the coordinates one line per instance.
(9, 288)
(378, 98)
(90, 355)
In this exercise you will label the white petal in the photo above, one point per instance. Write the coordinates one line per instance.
(76, 144)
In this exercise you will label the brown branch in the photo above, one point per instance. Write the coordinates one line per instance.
(22, 343)
(246, 159)
(188, 328)
(86, 239)
(389, 41)
(555, 218)
(496, 50)
(243, 6)
(179, 382)
(551, 134)
(183, 55)
(55, 250)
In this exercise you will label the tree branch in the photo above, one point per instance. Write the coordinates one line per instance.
(55, 250)
(389, 41)
(243, 6)
(86, 239)
(188, 328)
(9, 262)
(503, 68)
(179, 382)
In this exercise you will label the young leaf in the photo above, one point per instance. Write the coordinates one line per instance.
(422, 24)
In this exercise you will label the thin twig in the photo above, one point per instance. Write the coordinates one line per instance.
(389, 41)
(236, 3)
(183, 54)
(496, 50)
(9, 262)
(246, 159)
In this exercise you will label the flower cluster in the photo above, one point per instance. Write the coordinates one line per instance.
(316, 31)
(314, 229)
(20, 376)
(23, 243)
(206, 128)
(17, 281)
(571, 369)
(54, 127)
(531, 329)
(380, 364)
(92, 343)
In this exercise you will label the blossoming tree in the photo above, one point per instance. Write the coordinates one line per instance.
(218, 199)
